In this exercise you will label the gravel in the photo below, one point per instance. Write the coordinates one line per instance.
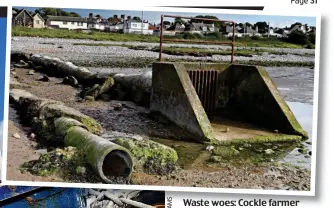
(70, 52)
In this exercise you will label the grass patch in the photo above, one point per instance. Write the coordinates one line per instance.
(105, 36)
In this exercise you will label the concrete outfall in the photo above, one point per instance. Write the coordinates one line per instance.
(137, 87)
(223, 103)
(108, 159)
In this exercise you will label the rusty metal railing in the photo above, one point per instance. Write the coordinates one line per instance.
(162, 39)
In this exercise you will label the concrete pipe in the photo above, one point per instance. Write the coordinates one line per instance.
(108, 159)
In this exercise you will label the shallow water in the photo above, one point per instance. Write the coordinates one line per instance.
(304, 115)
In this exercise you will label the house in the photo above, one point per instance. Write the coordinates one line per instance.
(66, 22)
(39, 22)
(199, 28)
(134, 26)
(274, 32)
(116, 24)
(27, 19)
(98, 23)
(227, 31)
(249, 31)
(22, 18)
(177, 28)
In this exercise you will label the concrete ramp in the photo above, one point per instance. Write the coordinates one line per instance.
(222, 102)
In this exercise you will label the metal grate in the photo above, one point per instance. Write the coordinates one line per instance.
(205, 84)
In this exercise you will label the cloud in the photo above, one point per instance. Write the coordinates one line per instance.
(283, 24)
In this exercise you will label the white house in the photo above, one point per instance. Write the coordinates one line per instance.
(134, 26)
(116, 27)
(65, 22)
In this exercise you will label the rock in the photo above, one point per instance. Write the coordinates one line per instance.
(60, 47)
(209, 148)
(72, 81)
(31, 72)
(41, 151)
(269, 151)
(309, 143)
(307, 156)
(310, 153)
(13, 73)
(215, 159)
(44, 78)
(89, 98)
(118, 107)
(240, 148)
(80, 170)
(32, 136)
(276, 131)
(302, 150)
(225, 130)
(247, 145)
(17, 136)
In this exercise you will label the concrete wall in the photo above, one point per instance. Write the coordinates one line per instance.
(248, 93)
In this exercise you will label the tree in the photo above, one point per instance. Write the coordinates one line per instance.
(179, 20)
(311, 37)
(74, 14)
(248, 24)
(166, 22)
(298, 37)
(44, 12)
(217, 24)
(137, 19)
(262, 26)
(294, 24)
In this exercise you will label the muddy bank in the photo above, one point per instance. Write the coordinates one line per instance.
(199, 165)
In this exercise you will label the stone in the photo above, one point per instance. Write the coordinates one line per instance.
(247, 145)
(118, 107)
(44, 78)
(72, 81)
(310, 153)
(269, 151)
(17, 136)
(80, 170)
(41, 151)
(209, 148)
(215, 159)
(302, 150)
(31, 72)
(32, 136)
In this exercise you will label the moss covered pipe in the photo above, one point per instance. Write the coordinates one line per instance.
(110, 160)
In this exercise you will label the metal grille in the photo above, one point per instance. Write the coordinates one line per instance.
(205, 83)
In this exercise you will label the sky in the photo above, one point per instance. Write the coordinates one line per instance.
(154, 17)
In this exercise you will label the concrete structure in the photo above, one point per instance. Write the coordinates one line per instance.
(222, 102)
(64, 22)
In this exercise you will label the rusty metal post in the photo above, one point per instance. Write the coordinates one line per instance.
(233, 42)
(161, 37)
